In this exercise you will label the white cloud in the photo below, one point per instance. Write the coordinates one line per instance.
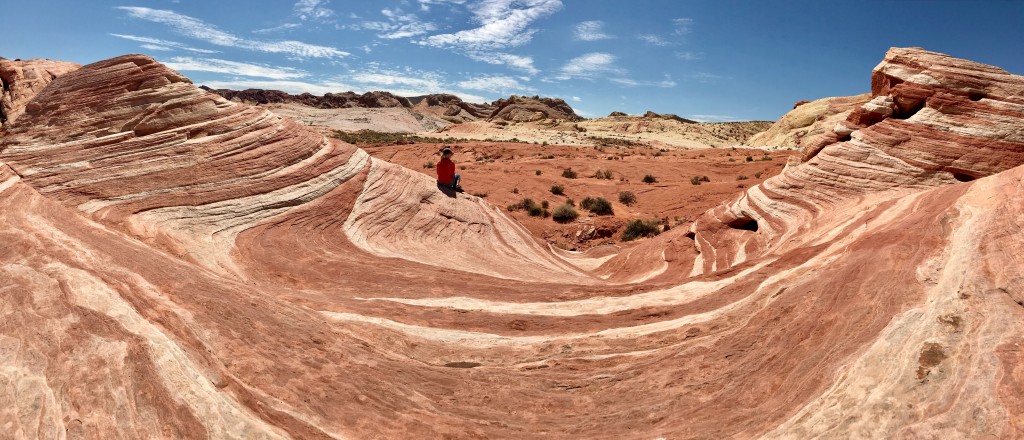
(233, 68)
(293, 87)
(283, 27)
(705, 77)
(666, 83)
(406, 82)
(502, 85)
(711, 118)
(194, 28)
(577, 99)
(682, 26)
(689, 56)
(151, 43)
(155, 47)
(591, 31)
(653, 40)
(589, 66)
(503, 24)
(398, 25)
(312, 10)
(518, 62)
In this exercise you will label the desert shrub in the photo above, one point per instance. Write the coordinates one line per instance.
(700, 155)
(537, 172)
(565, 213)
(515, 190)
(741, 177)
(766, 157)
(732, 160)
(568, 173)
(603, 174)
(557, 190)
(649, 179)
(481, 195)
(749, 159)
(696, 180)
(535, 211)
(544, 204)
(599, 205)
(757, 174)
(428, 165)
(641, 228)
(627, 198)
(549, 156)
(571, 202)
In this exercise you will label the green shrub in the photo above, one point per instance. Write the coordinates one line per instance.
(741, 177)
(544, 204)
(696, 180)
(428, 165)
(649, 179)
(599, 205)
(749, 159)
(565, 213)
(757, 174)
(537, 172)
(627, 198)
(641, 228)
(557, 190)
(568, 173)
(603, 174)
(766, 157)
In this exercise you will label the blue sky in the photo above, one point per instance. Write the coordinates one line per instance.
(706, 60)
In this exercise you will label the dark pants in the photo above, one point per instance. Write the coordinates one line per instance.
(454, 183)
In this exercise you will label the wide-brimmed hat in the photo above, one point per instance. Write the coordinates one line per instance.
(446, 150)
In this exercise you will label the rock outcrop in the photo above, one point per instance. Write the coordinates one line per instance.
(532, 109)
(808, 119)
(175, 264)
(328, 100)
(20, 81)
(450, 107)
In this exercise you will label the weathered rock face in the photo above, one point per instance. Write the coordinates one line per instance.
(808, 120)
(671, 116)
(328, 100)
(22, 80)
(530, 109)
(178, 265)
(451, 107)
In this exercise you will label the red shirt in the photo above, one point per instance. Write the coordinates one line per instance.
(445, 171)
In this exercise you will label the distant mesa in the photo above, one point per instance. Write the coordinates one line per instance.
(532, 109)
(651, 114)
(328, 100)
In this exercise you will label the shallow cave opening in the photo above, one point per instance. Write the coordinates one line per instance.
(963, 177)
(975, 95)
(691, 235)
(897, 113)
(845, 137)
(747, 224)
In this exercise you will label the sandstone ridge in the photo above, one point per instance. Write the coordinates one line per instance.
(225, 272)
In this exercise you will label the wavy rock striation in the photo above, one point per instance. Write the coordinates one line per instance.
(178, 265)
(20, 81)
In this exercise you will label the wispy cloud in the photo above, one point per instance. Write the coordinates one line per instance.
(283, 27)
(712, 118)
(665, 83)
(577, 99)
(396, 25)
(682, 26)
(197, 29)
(155, 47)
(233, 68)
(589, 66)
(312, 10)
(406, 82)
(158, 44)
(426, 4)
(518, 62)
(502, 85)
(653, 40)
(591, 31)
(502, 24)
(705, 77)
(689, 56)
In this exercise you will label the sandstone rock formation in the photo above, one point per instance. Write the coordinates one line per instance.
(328, 100)
(451, 107)
(179, 265)
(532, 109)
(807, 120)
(20, 81)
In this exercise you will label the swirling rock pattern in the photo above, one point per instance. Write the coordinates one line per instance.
(177, 265)
(20, 81)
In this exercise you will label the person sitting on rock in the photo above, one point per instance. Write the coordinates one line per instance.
(446, 171)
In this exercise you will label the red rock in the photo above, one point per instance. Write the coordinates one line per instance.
(175, 264)
(22, 80)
